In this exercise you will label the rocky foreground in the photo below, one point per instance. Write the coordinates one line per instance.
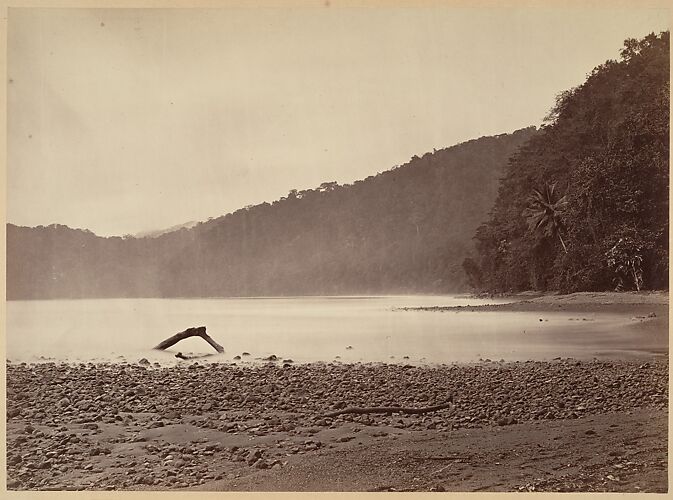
(131, 426)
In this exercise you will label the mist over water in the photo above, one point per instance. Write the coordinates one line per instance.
(309, 329)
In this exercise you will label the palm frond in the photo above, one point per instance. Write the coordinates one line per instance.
(544, 212)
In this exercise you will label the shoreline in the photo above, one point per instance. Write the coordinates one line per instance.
(626, 302)
(557, 425)
(228, 428)
(643, 316)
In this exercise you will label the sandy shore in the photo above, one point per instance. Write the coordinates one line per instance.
(561, 425)
(637, 303)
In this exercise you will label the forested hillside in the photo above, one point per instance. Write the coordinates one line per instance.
(404, 230)
(584, 205)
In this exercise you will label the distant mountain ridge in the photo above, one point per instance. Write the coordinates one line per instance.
(406, 230)
(158, 232)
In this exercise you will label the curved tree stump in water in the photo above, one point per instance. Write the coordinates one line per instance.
(390, 409)
(190, 332)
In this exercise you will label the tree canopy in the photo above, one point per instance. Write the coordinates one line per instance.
(605, 148)
(405, 230)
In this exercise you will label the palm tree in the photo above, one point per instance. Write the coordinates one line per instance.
(544, 212)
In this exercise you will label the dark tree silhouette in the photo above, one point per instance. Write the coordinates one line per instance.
(607, 143)
(405, 230)
(545, 211)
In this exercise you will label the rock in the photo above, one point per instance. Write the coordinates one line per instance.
(590, 432)
(561, 389)
(143, 362)
(506, 421)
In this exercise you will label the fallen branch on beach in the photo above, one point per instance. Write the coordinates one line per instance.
(190, 332)
(390, 409)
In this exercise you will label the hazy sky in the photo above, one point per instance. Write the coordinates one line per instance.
(127, 120)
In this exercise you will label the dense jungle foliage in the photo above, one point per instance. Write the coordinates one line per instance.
(584, 205)
(405, 230)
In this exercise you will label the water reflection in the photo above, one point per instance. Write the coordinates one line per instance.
(308, 329)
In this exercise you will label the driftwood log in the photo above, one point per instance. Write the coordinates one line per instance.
(190, 332)
(390, 409)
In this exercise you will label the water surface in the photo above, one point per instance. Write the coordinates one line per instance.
(307, 329)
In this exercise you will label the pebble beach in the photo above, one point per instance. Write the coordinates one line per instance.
(139, 426)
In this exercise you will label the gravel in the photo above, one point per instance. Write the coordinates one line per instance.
(84, 426)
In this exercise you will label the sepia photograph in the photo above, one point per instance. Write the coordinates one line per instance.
(337, 246)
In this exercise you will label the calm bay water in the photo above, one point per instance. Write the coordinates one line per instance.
(305, 329)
